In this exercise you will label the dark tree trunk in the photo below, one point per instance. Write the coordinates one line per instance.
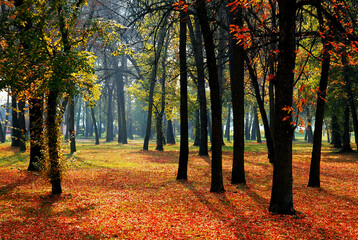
(100, 118)
(282, 195)
(52, 126)
(197, 128)
(109, 135)
(309, 127)
(314, 177)
(257, 125)
(237, 71)
(260, 102)
(254, 124)
(336, 133)
(36, 129)
(216, 147)
(22, 126)
(350, 96)
(129, 122)
(346, 134)
(184, 141)
(122, 124)
(95, 126)
(170, 133)
(71, 125)
(15, 134)
(247, 127)
(197, 43)
(160, 115)
(228, 122)
(152, 81)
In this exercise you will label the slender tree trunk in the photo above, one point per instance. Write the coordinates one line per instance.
(336, 133)
(109, 135)
(216, 147)
(282, 194)
(152, 81)
(197, 128)
(22, 126)
(95, 126)
(257, 125)
(100, 118)
(237, 71)
(71, 125)
(36, 129)
(197, 43)
(15, 136)
(228, 123)
(346, 134)
(184, 141)
(314, 177)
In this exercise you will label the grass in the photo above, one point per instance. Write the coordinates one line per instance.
(116, 191)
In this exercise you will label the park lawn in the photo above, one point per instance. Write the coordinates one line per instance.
(116, 191)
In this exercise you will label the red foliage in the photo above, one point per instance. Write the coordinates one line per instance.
(139, 198)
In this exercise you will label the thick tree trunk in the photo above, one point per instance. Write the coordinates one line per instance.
(184, 141)
(52, 126)
(350, 96)
(197, 128)
(314, 177)
(237, 71)
(216, 147)
(282, 195)
(36, 130)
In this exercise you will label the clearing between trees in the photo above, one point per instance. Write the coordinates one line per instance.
(123, 192)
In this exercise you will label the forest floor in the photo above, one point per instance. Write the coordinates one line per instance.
(113, 191)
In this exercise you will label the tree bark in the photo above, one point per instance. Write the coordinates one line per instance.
(346, 134)
(184, 141)
(152, 81)
(282, 195)
(36, 130)
(52, 126)
(214, 85)
(237, 72)
(170, 133)
(314, 177)
(109, 135)
(228, 122)
(95, 126)
(336, 133)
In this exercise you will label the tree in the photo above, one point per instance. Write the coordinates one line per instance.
(184, 141)
(282, 195)
(216, 144)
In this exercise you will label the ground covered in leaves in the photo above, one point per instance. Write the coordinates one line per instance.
(121, 192)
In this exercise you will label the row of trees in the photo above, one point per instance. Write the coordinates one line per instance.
(275, 58)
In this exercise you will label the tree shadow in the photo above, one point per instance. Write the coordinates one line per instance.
(28, 179)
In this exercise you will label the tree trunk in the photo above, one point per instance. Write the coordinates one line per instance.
(197, 128)
(260, 102)
(350, 95)
(197, 43)
(184, 141)
(52, 126)
(237, 72)
(346, 134)
(15, 134)
(22, 126)
(36, 129)
(160, 115)
(314, 177)
(336, 133)
(95, 126)
(282, 195)
(152, 81)
(71, 125)
(214, 85)
(228, 122)
(109, 130)
(170, 133)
